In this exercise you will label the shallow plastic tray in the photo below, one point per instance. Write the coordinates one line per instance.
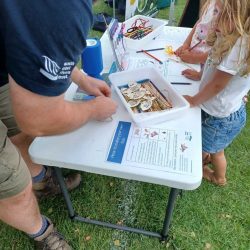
(140, 44)
(146, 118)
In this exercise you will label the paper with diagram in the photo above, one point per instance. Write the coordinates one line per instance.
(153, 148)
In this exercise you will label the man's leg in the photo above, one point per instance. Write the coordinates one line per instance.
(19, 139)
(16, 198)
(43, 181)
(18, 205)
(21, 211)
(22, 142)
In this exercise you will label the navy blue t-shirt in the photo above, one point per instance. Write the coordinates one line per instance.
(41, 41)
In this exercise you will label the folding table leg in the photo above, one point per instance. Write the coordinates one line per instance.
(60, 179)
(169, 212)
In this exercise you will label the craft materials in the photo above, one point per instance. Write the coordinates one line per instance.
(115, 34)
(139, 29)
(81, 95)
(92, 63)
(158, 60)
(143, 96)
(181, 83)
(169, 50)
(195, 45)
(141, 51)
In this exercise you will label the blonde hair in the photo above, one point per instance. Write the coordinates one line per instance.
(233, 22)
(204, 7)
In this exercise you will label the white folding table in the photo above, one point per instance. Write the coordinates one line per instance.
(86, 149)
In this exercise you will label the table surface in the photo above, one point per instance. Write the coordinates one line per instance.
(86, 148)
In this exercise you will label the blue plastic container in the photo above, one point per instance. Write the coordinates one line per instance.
(92, 63)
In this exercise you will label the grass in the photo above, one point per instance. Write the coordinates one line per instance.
(206, 218)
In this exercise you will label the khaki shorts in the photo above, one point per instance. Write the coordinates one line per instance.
(6, 114)
(14, 174)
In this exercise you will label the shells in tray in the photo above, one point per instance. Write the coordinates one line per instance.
(134, 103)
(124, 90)
(137, 95)
(135, 88)
(146, 105)
(144, 97)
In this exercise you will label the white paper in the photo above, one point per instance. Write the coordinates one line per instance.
(161, 149)
(140, 62)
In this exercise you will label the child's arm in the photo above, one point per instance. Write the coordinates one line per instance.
(187, 42)
(193, 57)
(192, 74)
(216, 84)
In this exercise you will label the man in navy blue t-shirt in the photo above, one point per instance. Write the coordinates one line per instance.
(40, 44)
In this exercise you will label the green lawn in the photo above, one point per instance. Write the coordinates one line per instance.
(206, 218)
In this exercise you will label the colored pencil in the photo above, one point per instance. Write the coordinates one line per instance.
(181, 83)
(195, 45)
(158, 60)
(141, 51)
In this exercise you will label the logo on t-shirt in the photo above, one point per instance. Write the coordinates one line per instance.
(51, 69)
(53, 72)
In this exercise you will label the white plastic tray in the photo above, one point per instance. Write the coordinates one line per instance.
(140, 44)
(146, 118)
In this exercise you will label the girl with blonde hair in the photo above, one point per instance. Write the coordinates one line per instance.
(225, 81)
(195, 48)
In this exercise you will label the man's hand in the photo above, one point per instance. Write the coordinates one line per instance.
(89, 84)
(192, 74)
(104, 107)
(95, 87)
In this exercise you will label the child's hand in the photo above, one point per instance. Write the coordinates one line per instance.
(182, 48)
(188, 57)
(190, 99)
(192, 74)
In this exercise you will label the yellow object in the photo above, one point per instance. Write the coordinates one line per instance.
(169, 50)
(132, 2)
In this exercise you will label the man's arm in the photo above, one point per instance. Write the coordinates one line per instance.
(39, 115)
(217, 83)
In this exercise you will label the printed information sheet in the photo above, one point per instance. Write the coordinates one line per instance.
(162, 149)
(168, 68)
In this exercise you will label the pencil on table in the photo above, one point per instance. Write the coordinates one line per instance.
(158, 60)
(141, 51)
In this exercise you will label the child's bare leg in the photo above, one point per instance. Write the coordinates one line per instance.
(218, 176)
(220, 166)
(206, 158)
(206, 170)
